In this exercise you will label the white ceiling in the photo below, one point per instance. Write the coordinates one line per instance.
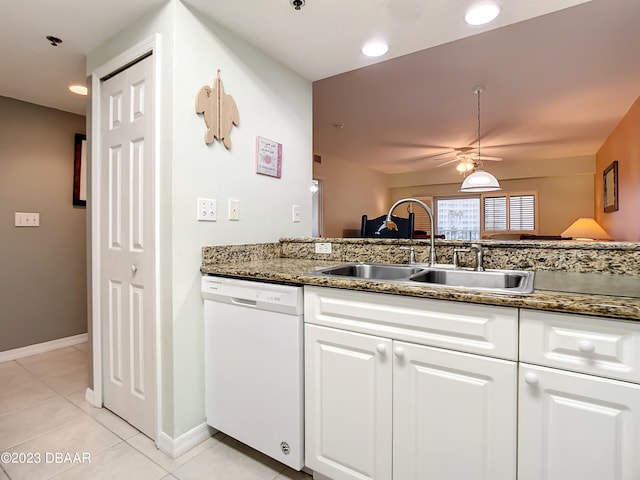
(556, 83)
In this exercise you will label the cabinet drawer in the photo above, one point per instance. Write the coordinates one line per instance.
(467, 327)
(595, 345)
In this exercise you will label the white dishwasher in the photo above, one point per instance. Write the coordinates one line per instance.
(254, 365)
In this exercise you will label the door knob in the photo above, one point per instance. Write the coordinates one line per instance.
(134, 269)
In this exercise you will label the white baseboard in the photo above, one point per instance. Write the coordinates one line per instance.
(90, 397)
(44, 347)
(174, 447)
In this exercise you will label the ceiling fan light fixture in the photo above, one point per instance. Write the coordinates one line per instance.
(464, 166)
(482, 13)
(375, 48)
(480, 181)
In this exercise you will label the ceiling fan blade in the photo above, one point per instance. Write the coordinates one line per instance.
(414, 145)
(450, 161)
(475, 156)
(425, 157)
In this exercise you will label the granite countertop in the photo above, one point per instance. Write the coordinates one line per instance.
(616, 296)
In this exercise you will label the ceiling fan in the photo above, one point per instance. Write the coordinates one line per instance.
(468, 158)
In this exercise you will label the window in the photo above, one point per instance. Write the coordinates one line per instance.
(471, 217)
(458, 218)
(510, 212)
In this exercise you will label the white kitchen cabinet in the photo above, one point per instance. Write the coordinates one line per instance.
(380, 407)
(348, 401)
(454, 415)
(594, 345)
(579, 415)
(577, 426)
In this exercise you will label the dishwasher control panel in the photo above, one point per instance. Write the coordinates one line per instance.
(267, 296)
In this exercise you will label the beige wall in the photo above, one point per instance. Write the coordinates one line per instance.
(350, 190)
(43, 269)
(622, 145)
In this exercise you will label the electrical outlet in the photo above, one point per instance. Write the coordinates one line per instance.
(23, 219)
(296, 213)
(207, 210)
(323, 247)
(234, 209)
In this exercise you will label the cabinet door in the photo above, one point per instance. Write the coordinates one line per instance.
(347, 404)
(576, 426)
(454, 415)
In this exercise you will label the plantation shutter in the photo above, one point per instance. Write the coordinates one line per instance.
(522, 212)
(495, 213)
(420, 216)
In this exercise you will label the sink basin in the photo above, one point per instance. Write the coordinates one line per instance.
(373, 271)
(505, 281)
(495, 280)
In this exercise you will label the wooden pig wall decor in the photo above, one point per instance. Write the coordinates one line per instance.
(220, 112)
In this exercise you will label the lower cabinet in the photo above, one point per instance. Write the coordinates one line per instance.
(577, 426)
(579, 415)
(348, 402)
(380, 409)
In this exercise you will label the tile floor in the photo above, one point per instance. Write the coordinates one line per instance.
(43, 412)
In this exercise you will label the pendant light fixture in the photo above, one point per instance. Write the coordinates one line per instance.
(479, 180)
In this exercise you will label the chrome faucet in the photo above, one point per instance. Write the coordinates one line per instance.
(412, 254)
(392, 226)
(473, 248)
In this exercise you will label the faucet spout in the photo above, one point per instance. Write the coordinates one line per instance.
(392, 226)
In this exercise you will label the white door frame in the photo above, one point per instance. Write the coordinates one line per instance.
(149, 45)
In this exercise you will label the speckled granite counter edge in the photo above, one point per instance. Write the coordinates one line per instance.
(296, 271)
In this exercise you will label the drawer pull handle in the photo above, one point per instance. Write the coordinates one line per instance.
(399, 351)
(381, 348)
(586, 346)
(531, 379)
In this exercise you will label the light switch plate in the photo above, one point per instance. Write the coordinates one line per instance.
(295, 212)
(27, 219)
(234, 209)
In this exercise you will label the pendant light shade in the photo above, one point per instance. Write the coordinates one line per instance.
(480, 181)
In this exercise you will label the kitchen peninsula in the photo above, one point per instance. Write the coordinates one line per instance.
(591, 278)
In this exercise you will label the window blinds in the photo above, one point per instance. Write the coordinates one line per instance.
(509, 212)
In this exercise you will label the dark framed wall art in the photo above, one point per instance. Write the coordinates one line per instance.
(80, 171)
(610, 187)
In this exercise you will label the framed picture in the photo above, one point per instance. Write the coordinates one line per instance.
(610, 187)
(268, 157)
(80, 171)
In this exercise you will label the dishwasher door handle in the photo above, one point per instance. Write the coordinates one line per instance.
(244, 301)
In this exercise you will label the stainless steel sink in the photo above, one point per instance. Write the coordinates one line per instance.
(494, 280)
(372, 271)
(505, 281)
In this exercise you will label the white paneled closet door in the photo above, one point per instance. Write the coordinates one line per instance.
(127, 252)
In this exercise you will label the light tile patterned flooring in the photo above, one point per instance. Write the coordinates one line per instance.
(43, 412)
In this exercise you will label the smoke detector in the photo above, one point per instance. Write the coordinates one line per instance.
(54, 41)
(297, 4)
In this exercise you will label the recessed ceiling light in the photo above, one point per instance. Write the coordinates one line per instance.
(78, 89)
(375, 49)
(482, 13)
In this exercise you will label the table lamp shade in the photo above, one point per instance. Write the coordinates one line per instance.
(586, 229)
